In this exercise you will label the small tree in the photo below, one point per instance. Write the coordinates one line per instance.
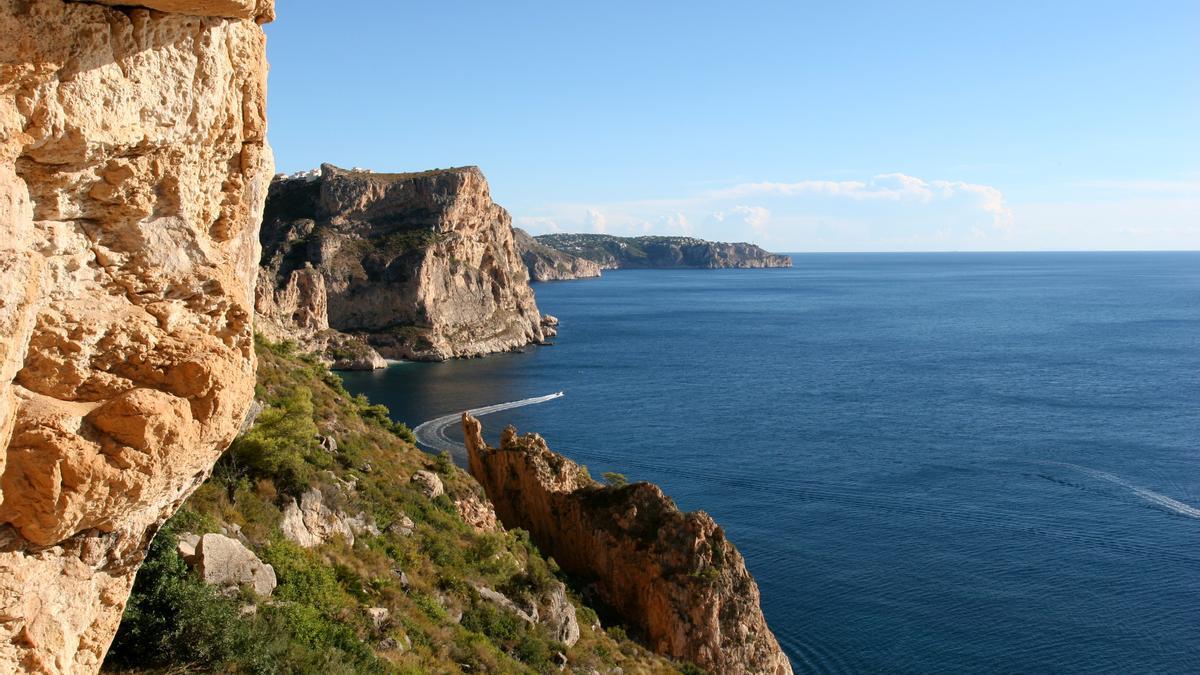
(615, 479)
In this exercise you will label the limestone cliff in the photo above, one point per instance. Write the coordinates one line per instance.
(133, 170)
(672, 576)
(418, 265)
(549, 264)
(654, 252)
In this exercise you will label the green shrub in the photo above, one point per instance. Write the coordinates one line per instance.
(303, 578)
(173, 618)
(282, 443)
(615, 479)
(444, 464)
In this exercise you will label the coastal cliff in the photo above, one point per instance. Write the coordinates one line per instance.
(549, 264)
(416, 266)
(672, 575)
(133, 171)
(655, 252)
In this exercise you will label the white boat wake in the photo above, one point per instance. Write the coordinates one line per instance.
(1173, 505)
(432, 434)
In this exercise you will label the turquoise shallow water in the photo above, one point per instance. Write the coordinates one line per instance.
(932, 462)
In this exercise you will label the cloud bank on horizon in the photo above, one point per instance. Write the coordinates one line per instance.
(900, 212)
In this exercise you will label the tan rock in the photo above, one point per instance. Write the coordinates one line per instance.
(133, 170)
(428, 483)
(226, 563)
(312, 523)
(233, 9)
(478, 513)
(671, 574)
(558, 615)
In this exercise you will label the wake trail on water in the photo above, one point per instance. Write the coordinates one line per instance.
(1173, 505)
(432, 433)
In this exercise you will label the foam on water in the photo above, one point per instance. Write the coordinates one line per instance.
(432, 433)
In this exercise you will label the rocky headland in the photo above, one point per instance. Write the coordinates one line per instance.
(133, 170)
(673, 576)
(418, 266)
(659, 252)
(549, 264)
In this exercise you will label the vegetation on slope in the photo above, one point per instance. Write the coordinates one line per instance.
(317, 618)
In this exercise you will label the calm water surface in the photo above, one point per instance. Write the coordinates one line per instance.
(934, 462)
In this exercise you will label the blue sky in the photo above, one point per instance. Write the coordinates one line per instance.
(802, 126)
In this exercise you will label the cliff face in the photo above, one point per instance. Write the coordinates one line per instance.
(662, 252)
(420, 266)
(669, 574)
(549, 264)
(133, 169)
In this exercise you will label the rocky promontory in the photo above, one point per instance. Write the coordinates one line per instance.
(657, 252)
(550, 264)
(416, 266)
(671, 576)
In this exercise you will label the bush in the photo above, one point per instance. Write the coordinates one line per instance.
(444, 464)
(282, 444)
(173, 618)
(615, 479)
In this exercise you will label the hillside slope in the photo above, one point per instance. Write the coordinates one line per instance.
(376, 571)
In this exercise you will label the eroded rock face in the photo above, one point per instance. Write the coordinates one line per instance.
(671, 575)
(133, 171)
(418, 266)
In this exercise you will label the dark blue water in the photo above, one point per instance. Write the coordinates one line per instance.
(975, 462)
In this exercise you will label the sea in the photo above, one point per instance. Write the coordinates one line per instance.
(952, 462)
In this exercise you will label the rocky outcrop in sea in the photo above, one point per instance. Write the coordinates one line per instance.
(671, 576)
(417, 266)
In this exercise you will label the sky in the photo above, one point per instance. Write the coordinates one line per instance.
(849, 126)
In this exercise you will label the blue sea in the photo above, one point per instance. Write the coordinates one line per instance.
(931, 462)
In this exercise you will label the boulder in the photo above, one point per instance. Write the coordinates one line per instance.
(428, 483)
(328, 443)
(403, 525)
(312, 523)
(378, 616)
(558, 615)
(504, 602)
(186, 545)
(224, 562)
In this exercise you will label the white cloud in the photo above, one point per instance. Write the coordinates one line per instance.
(756, 217)
(885, 186)
(678, 222)
(597, 221)
(901, 212)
